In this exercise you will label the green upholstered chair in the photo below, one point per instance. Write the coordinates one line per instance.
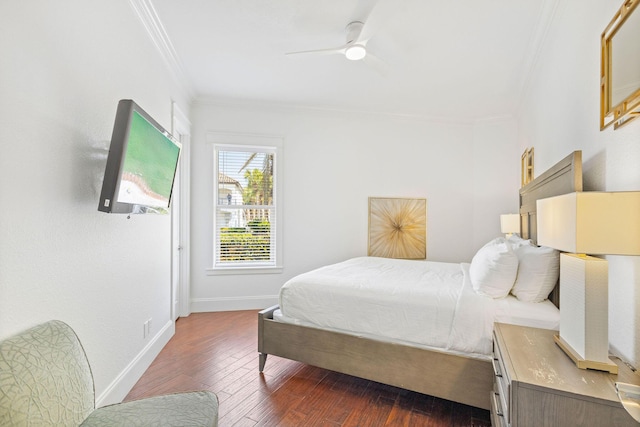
(45, 380)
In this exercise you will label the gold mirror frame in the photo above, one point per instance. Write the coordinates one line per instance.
(526, 167)
(629, 108)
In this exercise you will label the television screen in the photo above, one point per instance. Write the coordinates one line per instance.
(141, 165)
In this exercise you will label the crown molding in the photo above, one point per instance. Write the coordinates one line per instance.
(534, 49)
(206, 100)
(151, 22)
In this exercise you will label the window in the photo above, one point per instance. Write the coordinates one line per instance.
(245, 207)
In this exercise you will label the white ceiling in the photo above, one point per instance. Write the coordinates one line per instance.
(468, 59)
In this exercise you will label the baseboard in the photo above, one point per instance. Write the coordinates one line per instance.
(202, 305)
(121, 386)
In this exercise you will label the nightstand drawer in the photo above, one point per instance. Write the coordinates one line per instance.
(497, 415)
(501, 384)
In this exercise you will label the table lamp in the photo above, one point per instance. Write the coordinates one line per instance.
(595, 223)
(509, 224)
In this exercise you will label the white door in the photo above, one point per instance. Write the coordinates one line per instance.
(180, 291)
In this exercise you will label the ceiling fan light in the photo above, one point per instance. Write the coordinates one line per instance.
(355, 52)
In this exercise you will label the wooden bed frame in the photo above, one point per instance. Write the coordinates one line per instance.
(453, 377)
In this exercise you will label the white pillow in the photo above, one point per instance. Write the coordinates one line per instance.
(493, 269)
(538, 271)
(517, 241)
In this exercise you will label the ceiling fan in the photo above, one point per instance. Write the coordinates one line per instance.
(358, 34)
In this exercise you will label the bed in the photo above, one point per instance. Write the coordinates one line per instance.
(458, 367)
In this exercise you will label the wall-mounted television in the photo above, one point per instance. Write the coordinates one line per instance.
(141, 166)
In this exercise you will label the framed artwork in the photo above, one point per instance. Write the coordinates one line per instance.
(398, 228)
(526, 165)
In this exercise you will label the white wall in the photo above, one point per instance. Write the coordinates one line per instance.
(496, 178)
(64, 67)
(333, 162)
(561, 114)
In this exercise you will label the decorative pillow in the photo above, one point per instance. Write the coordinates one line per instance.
(538, 271)
(494, 268)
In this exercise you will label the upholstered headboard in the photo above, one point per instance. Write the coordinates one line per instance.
(562, 178)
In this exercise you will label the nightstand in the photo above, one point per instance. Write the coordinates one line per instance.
(537, 384)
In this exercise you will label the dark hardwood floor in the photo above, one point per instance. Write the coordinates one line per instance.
(218, 352)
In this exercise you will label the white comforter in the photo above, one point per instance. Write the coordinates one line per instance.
(421, 303)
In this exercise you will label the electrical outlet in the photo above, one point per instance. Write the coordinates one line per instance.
(146, 328)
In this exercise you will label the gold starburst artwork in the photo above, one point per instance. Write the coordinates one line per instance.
(398, 228)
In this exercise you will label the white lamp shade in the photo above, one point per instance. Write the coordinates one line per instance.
(510, 223)
(591, 222)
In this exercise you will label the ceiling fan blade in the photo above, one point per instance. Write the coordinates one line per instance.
(381, 12)
(330, 51)
(377, 64)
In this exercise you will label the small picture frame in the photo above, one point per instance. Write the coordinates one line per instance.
(398, 228)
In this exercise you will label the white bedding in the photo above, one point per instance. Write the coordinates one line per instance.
(421, 303)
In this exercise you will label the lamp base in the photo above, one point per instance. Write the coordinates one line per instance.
(584, 363)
